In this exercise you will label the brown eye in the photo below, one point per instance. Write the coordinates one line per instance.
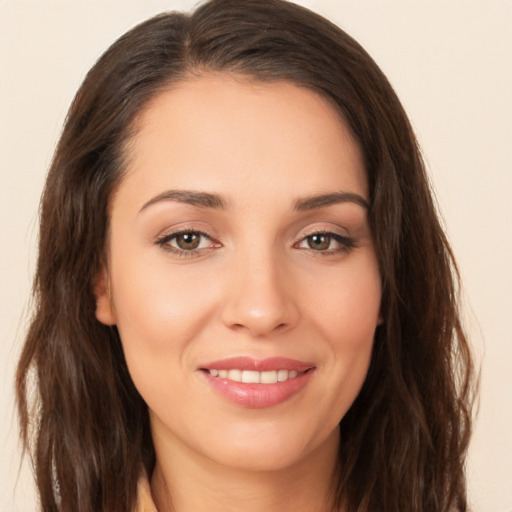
(327, 243)
(188, 241)
(319, 242)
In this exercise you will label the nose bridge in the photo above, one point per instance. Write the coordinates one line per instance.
(259, 297)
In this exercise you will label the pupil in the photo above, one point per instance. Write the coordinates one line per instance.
(319, 242)
(188, 241)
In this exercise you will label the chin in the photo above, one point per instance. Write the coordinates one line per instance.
(271, 451)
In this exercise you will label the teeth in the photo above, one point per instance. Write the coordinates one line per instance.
(250, 377)
(268, 377)
(254, 377)
(235, 375)
(282, 375)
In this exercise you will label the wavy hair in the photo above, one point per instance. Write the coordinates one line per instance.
(86, 427)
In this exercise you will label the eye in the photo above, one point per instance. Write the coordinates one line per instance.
(187, 241)
(326, 242)
(183, 242)
(318, 242)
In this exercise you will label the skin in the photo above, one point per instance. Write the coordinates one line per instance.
(255, 286)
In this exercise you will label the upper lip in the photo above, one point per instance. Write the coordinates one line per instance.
(260, 365)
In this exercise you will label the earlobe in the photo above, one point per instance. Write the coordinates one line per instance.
(104, 307)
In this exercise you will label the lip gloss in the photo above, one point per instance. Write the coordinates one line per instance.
(258, 395)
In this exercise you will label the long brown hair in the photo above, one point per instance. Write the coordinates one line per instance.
(405, 437)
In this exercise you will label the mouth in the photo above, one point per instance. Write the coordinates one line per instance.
(257, 383)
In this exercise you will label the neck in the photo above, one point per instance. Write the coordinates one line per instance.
(185, 482)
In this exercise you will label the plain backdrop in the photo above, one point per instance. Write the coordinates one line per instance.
(451, 64)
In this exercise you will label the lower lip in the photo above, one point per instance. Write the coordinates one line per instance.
(258, 396)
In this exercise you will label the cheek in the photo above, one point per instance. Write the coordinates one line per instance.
(348, 306)
(347, 316)
(159, 315)
(159, 309)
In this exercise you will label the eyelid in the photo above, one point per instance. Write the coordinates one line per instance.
(327, 229)
(193, 226)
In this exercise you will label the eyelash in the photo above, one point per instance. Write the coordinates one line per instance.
(346, 243)
(164, 242)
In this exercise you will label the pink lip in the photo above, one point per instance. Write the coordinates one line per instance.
(258, 396)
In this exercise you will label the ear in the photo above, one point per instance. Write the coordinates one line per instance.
(104, 307)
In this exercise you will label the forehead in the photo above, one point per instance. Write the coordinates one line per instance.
(222, 131)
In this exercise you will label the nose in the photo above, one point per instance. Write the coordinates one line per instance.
(259, 298)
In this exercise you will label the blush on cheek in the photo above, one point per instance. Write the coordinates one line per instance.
(354, 319)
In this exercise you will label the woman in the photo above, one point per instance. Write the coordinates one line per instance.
(244, 296)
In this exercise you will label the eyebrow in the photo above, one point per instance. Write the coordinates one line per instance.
(215, 201)
(203, 199)
(323, 200)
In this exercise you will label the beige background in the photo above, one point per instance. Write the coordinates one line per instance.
(450, 62)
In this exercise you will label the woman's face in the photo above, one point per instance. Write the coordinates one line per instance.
(242, 273)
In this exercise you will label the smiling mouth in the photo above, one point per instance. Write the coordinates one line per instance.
(255, 377)
(257, 383)
(256, 389)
